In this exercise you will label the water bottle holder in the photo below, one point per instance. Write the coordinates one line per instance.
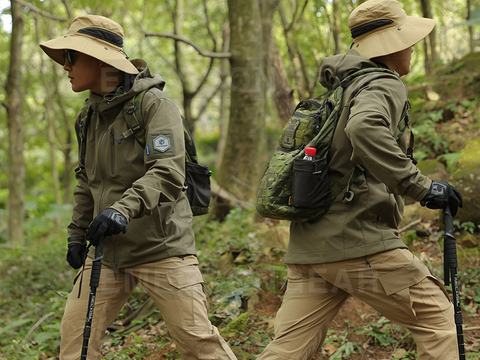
(310, 184)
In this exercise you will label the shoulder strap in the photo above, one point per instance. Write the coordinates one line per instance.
(136, 126)
(81, 128)
(134, 119)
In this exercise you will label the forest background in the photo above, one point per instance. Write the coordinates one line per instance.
(236, 70)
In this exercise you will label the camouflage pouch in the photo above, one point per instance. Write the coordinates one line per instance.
(300, 190)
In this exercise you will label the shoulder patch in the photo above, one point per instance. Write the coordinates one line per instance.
(161, 144)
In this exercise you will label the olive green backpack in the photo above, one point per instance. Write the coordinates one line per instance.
(300, 190)
(197, 177)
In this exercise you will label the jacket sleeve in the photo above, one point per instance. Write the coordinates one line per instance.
(374, 115)
(82, 203)
(165, 176)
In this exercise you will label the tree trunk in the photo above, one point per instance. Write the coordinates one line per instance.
(16, 174)
(470, 28)
(68, 143)
(293, 54)
(431, 47)
(283, 93)
(222, 141)
(178, 19)
(241, 166)
(52, 141)
(336, 27)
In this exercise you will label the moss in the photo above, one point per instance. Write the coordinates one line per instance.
(237, 326)
(470, 156)
(428, 167)
(467, 180)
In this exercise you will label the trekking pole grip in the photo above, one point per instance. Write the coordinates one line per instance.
(97, 265)
(450, 246)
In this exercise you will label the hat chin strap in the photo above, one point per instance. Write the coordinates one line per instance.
(365, 28)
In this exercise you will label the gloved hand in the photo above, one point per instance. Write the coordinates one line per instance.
(76, 251)
(441, 195)
(109, 222)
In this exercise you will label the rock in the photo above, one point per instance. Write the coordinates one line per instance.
(434, 169)
(467, 240)
(414, 212)
(467, 180)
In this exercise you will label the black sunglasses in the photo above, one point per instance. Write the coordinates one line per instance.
(69, 56)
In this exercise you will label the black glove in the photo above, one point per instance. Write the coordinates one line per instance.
(441, 195)
(76, 251)
(109, 222)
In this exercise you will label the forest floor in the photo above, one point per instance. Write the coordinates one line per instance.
(357, 332)
(242, 264)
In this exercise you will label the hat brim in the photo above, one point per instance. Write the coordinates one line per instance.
(394, 39)
(54, 49)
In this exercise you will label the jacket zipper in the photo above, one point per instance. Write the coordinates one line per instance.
(99, 158)
(112, 146)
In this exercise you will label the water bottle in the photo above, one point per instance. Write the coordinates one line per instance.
(310, 153)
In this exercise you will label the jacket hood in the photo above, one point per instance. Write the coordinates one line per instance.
(335, 68)
(132, 85)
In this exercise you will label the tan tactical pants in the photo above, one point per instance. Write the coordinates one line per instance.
(176, 287)
(395, 283)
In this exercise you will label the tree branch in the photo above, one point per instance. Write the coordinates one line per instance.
(296, 19)
(40, 12)
(213, 55)
(207, 20)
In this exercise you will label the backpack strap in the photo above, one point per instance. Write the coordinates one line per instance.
(136, 126)
(81, 128)
(132, 111)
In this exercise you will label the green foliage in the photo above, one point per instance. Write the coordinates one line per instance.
(467, 226)
(345, 348)
(424, 128)
(32, 294)
(409, 237)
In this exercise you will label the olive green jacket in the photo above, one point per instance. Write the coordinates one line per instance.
(373, 105)
(146, 184)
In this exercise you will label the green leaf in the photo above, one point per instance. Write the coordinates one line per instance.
(44, 337)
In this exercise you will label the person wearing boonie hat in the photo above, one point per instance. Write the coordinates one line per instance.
(124, 184)
(355, 249)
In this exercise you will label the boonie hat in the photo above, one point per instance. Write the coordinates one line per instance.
(93, 35)
(381, 27)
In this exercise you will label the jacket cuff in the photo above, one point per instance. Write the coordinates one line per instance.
(77, 239)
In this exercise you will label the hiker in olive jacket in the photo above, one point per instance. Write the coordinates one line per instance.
(123, 185)
(355, 248)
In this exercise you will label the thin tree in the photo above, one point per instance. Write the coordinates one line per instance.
(430, 42)
(250, 26)
(13, 104)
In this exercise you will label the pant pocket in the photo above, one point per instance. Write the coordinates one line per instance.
(310, 184)
(187, 284)
(397, 285)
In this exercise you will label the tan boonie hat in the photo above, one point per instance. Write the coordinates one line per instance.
(381, 27)
(93, 35)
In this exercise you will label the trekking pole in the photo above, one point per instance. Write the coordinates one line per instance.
(94, 282)
(450, 274)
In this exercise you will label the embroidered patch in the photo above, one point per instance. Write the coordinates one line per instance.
(161, 143)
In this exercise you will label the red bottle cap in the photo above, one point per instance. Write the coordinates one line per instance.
(310, 151)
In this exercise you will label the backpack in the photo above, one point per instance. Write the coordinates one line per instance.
(300, 190)
(197, 177)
